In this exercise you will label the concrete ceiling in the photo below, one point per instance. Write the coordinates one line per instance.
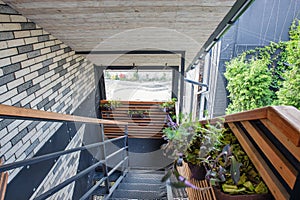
(111, 25)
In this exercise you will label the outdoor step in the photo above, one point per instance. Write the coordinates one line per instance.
(141, 180)
(137, 194)
(112, 178)
(141, 186)
(138, 175)
(146, 171)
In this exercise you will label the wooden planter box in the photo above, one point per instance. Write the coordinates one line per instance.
(271, 138)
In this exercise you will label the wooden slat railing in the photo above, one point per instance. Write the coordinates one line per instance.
(150, 126)
(271, 138)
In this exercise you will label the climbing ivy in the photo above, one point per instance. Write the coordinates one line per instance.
(266, 76)
(289, 94)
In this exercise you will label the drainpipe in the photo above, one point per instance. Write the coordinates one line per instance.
(192, 92)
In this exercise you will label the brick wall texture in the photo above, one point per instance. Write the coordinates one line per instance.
(64, 168)
(37, 71)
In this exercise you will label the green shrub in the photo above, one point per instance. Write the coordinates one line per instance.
(266, 76)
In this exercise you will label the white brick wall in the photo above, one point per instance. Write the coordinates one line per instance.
(63, 171)
(45, 74)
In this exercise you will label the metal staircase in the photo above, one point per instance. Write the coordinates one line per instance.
(141, 184)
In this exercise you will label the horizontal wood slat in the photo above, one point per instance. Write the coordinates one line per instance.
(287, 120)
(260, 113)
(274, 185)
(148, 127)
(294, 150)
(23, 113)
(196, 194)
(281, 164)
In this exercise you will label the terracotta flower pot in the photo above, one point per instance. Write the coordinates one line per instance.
(224, 196)
(198, 172)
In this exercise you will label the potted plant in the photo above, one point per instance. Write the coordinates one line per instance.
(192, 142)
(136, 113)
(110, 105)
(227, 166)
(169, 107)
(232, 174)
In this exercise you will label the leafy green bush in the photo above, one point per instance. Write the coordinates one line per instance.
(266, 76)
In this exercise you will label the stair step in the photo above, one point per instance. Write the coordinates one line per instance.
(141, 180)
(146, 171)
(138, 194)
(140, 175)
(141, 187)
(112, 178)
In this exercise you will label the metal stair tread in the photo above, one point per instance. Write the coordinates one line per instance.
(137, 194)
(141, 180)
(146, 171)
(141, 186)
(152, 176)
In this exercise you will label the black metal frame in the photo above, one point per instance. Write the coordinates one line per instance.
(124, 162)
(150, 52)
(235, 12)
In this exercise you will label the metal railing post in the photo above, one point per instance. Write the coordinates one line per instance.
(104, 165)
(126, 154)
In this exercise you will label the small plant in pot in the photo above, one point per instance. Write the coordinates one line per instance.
(192, 142)
(136, 113)
(169, 107)
(206, 141)
(233, 174)
(110, 105)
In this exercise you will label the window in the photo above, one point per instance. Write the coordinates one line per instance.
(142, 85)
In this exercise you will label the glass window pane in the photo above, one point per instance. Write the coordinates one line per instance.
(142, 85)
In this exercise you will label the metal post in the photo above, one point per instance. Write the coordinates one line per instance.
(104, 165)
(181, 82)
(192, 99)
(126, 145)
(175, 79)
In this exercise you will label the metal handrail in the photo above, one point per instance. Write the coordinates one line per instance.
(49, 156)
(12, 112)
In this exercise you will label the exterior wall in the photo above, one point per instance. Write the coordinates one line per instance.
(210, 76)
(275, 18)
(65, 167)
(40, 72)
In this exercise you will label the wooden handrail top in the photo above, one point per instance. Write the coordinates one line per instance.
(258, 113)
(31, 114)
(286, 118)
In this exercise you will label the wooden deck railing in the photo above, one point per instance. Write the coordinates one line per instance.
(150, 126)
(271, 138)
